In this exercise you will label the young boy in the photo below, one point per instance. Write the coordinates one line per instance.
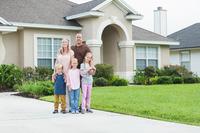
(59, 89)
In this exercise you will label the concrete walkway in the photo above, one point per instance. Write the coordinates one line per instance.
(23, 115)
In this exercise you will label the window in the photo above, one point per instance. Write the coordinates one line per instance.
(185, 59)
(146, 56)
(47, 49)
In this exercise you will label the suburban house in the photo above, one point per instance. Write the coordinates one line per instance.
(31, 31)
(188, 52)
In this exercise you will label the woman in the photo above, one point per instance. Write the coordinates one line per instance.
(64, 57)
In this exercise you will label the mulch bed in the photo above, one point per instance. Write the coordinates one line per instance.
(6, 90)
(18, 94)
(26, 95)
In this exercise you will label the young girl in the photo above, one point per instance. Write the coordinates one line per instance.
(87, 69)
(73, 83)
(59, 89)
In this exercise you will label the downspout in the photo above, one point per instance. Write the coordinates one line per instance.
(2, 49)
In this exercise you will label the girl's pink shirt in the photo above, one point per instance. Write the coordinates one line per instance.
(73, 79)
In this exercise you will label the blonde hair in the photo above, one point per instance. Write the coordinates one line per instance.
(61, 50)
(59, 66)
(73, 59)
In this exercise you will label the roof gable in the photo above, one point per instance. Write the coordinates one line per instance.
(83, 10)
(188, 37)
(85, 7)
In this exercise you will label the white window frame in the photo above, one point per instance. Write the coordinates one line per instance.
(146, 46)
(180, 54)
(36, 36)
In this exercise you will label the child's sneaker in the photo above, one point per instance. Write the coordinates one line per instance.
(82, 111)
(89, 111)
(55, 111)
(77, 111)
(63, 111)
(73, 112)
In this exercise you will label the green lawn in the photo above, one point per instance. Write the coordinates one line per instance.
(177, 103)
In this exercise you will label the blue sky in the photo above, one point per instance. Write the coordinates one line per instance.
(181, 13)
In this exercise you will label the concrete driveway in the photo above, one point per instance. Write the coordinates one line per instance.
(24, 115)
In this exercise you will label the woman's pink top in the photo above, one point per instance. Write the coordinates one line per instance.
(65, 60)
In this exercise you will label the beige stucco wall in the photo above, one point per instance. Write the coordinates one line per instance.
(27, 42)
(165, 56)
(11, 44)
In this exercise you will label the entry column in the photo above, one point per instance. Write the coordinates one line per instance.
(126, 59)
(95, 46)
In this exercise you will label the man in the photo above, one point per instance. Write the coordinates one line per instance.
(80, 49)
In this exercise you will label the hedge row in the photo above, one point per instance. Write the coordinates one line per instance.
(166, 75)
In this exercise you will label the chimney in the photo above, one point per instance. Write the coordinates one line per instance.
(160, 21)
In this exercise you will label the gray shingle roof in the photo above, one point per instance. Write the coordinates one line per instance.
(37, 11)
(85, 7)
(145, 35)
(188, 37)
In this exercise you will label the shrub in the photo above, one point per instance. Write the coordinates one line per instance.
(119, 82)
(29, 74)
(105, 71)
(139, 78)
(44, 73)
(190, 80)
(175, 71)
(164, 80)
(36, 89)
(168, 71)
(101, 81)
(10, 75)
(149, 72)
(37, 73)
(177, 80)
(154, 80)
(198, 79)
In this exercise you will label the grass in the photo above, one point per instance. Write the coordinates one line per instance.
(177, 103)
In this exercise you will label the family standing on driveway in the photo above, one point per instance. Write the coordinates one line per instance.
(73, 72)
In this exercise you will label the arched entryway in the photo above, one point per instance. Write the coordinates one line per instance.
(112, 35)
